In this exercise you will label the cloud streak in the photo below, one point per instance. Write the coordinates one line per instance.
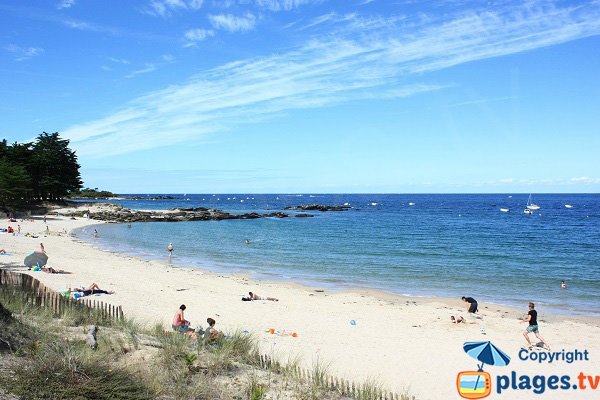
(165, 8)
(384, 61)
(232, 23)
(23, 53)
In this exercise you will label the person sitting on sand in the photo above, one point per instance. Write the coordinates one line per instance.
(180, 324)
(254, 296)
(472, 307)
(532, 327)
(457, 320)
(2, 251)
(212, 334)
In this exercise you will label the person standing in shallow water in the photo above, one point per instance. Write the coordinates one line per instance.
(170, 249)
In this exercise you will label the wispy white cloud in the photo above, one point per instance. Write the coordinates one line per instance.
(165, 8)
(119, 60)
(387, 60)
(283, 5)
(582, 180)
(148, 67)
(193, 36)
(65, 4)
(233, 23)
(23, 53)
(169, 58)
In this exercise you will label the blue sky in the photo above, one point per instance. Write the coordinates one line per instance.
(273, 96)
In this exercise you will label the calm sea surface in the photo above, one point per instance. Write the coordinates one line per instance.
(442, 245)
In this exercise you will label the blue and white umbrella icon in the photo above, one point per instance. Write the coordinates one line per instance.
(487, 353)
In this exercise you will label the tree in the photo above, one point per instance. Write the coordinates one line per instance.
(55, 170)
(15, 186)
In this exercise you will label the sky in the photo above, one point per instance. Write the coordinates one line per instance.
(310, 96)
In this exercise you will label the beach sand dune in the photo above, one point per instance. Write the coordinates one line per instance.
(406, 344)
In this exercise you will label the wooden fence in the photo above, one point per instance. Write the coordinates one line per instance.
(37, 294)
(342, 386)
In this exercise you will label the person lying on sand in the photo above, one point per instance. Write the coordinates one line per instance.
(254, 296)
(457, 320)
(51, 270)
(93, 289)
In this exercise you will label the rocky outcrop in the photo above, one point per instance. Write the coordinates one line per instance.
(317, 207)
(115, 213)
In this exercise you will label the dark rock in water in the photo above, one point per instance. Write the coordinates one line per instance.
(191, 209)
(317, 207)
(303, 215)
(276, 215)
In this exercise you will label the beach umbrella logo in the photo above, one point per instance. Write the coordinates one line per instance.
(36, 258)
(478, 384)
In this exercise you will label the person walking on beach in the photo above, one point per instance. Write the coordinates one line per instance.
(42, 248)
(179, 323)
(472, 307)
(533, 327)
(170, 249)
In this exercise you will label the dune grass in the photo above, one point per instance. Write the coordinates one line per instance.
(50, 359)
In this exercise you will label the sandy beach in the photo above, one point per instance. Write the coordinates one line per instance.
(406, 344)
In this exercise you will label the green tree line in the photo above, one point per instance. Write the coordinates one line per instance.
(42, 170)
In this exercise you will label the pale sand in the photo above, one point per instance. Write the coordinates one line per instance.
(403, 343)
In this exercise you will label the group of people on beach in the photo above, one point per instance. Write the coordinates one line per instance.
(180, 324)
(530, 318)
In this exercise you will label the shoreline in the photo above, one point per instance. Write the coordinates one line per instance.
(311, 283)
(394, 339)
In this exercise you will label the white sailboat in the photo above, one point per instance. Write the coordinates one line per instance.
(531, 205)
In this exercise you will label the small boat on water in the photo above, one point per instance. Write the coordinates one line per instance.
(505, 209)
(528, 211)
(411, 204)
(531, 205)
(568, 206)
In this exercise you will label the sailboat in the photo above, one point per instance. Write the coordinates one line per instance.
(531, 205)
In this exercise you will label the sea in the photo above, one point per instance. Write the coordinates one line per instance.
(430, 245)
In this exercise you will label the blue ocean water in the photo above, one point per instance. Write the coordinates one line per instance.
(442, 245)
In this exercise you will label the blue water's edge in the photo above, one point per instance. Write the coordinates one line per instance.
(417, 245)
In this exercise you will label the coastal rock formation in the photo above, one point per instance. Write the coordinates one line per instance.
(317, 207)
(116, 213)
